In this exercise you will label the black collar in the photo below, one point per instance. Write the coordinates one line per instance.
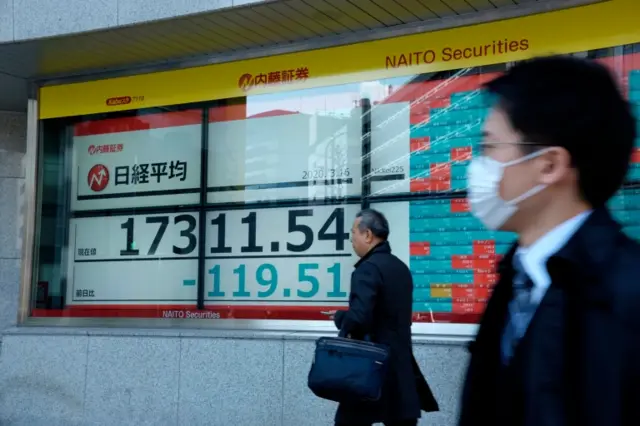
(589, 248)
(382, 247)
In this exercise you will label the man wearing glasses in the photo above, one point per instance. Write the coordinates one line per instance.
(559, 343)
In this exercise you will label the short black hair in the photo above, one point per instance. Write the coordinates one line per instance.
(374, 221)
(574, 104)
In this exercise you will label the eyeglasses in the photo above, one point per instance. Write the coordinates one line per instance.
(488, 145)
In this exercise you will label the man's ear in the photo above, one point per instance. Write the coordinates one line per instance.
(554, 165)
(369, 235)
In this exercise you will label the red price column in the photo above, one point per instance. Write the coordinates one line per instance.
(460, 205)
(468, 308)
(420, 249)
(419, 113)
(429, 185)
(470, 291)
(439, 179)
(481, 247)
(461, 154)
(420, 144)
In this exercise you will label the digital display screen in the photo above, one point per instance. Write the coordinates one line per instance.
(260, 209)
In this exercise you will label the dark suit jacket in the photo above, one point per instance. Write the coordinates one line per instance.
(380, 306)
(579, 361)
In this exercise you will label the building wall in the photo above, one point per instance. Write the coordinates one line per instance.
(108, 377)
(12, 148)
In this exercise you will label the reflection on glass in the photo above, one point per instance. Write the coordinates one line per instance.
(424, 134)
(281, 154)
(133, 223)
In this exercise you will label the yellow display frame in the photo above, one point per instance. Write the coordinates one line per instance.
(594, 26)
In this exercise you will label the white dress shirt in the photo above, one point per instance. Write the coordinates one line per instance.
(534, 258)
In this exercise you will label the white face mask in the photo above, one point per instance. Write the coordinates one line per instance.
(484, 175)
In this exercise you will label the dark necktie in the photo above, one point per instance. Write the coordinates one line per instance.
(520, 310)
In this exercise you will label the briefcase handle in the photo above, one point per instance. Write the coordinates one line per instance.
(343, 334)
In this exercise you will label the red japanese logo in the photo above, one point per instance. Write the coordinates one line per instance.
(105, 149)
(248, 81)
(98, 178)
(245, 82)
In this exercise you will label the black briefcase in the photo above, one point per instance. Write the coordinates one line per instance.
(347, 370)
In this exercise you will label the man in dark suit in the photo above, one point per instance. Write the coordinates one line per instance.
(559, 343)
(380, 307)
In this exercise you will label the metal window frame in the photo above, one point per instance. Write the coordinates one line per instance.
(31, 211)
(455, 332)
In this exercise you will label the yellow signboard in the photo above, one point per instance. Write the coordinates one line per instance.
(599, 25)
